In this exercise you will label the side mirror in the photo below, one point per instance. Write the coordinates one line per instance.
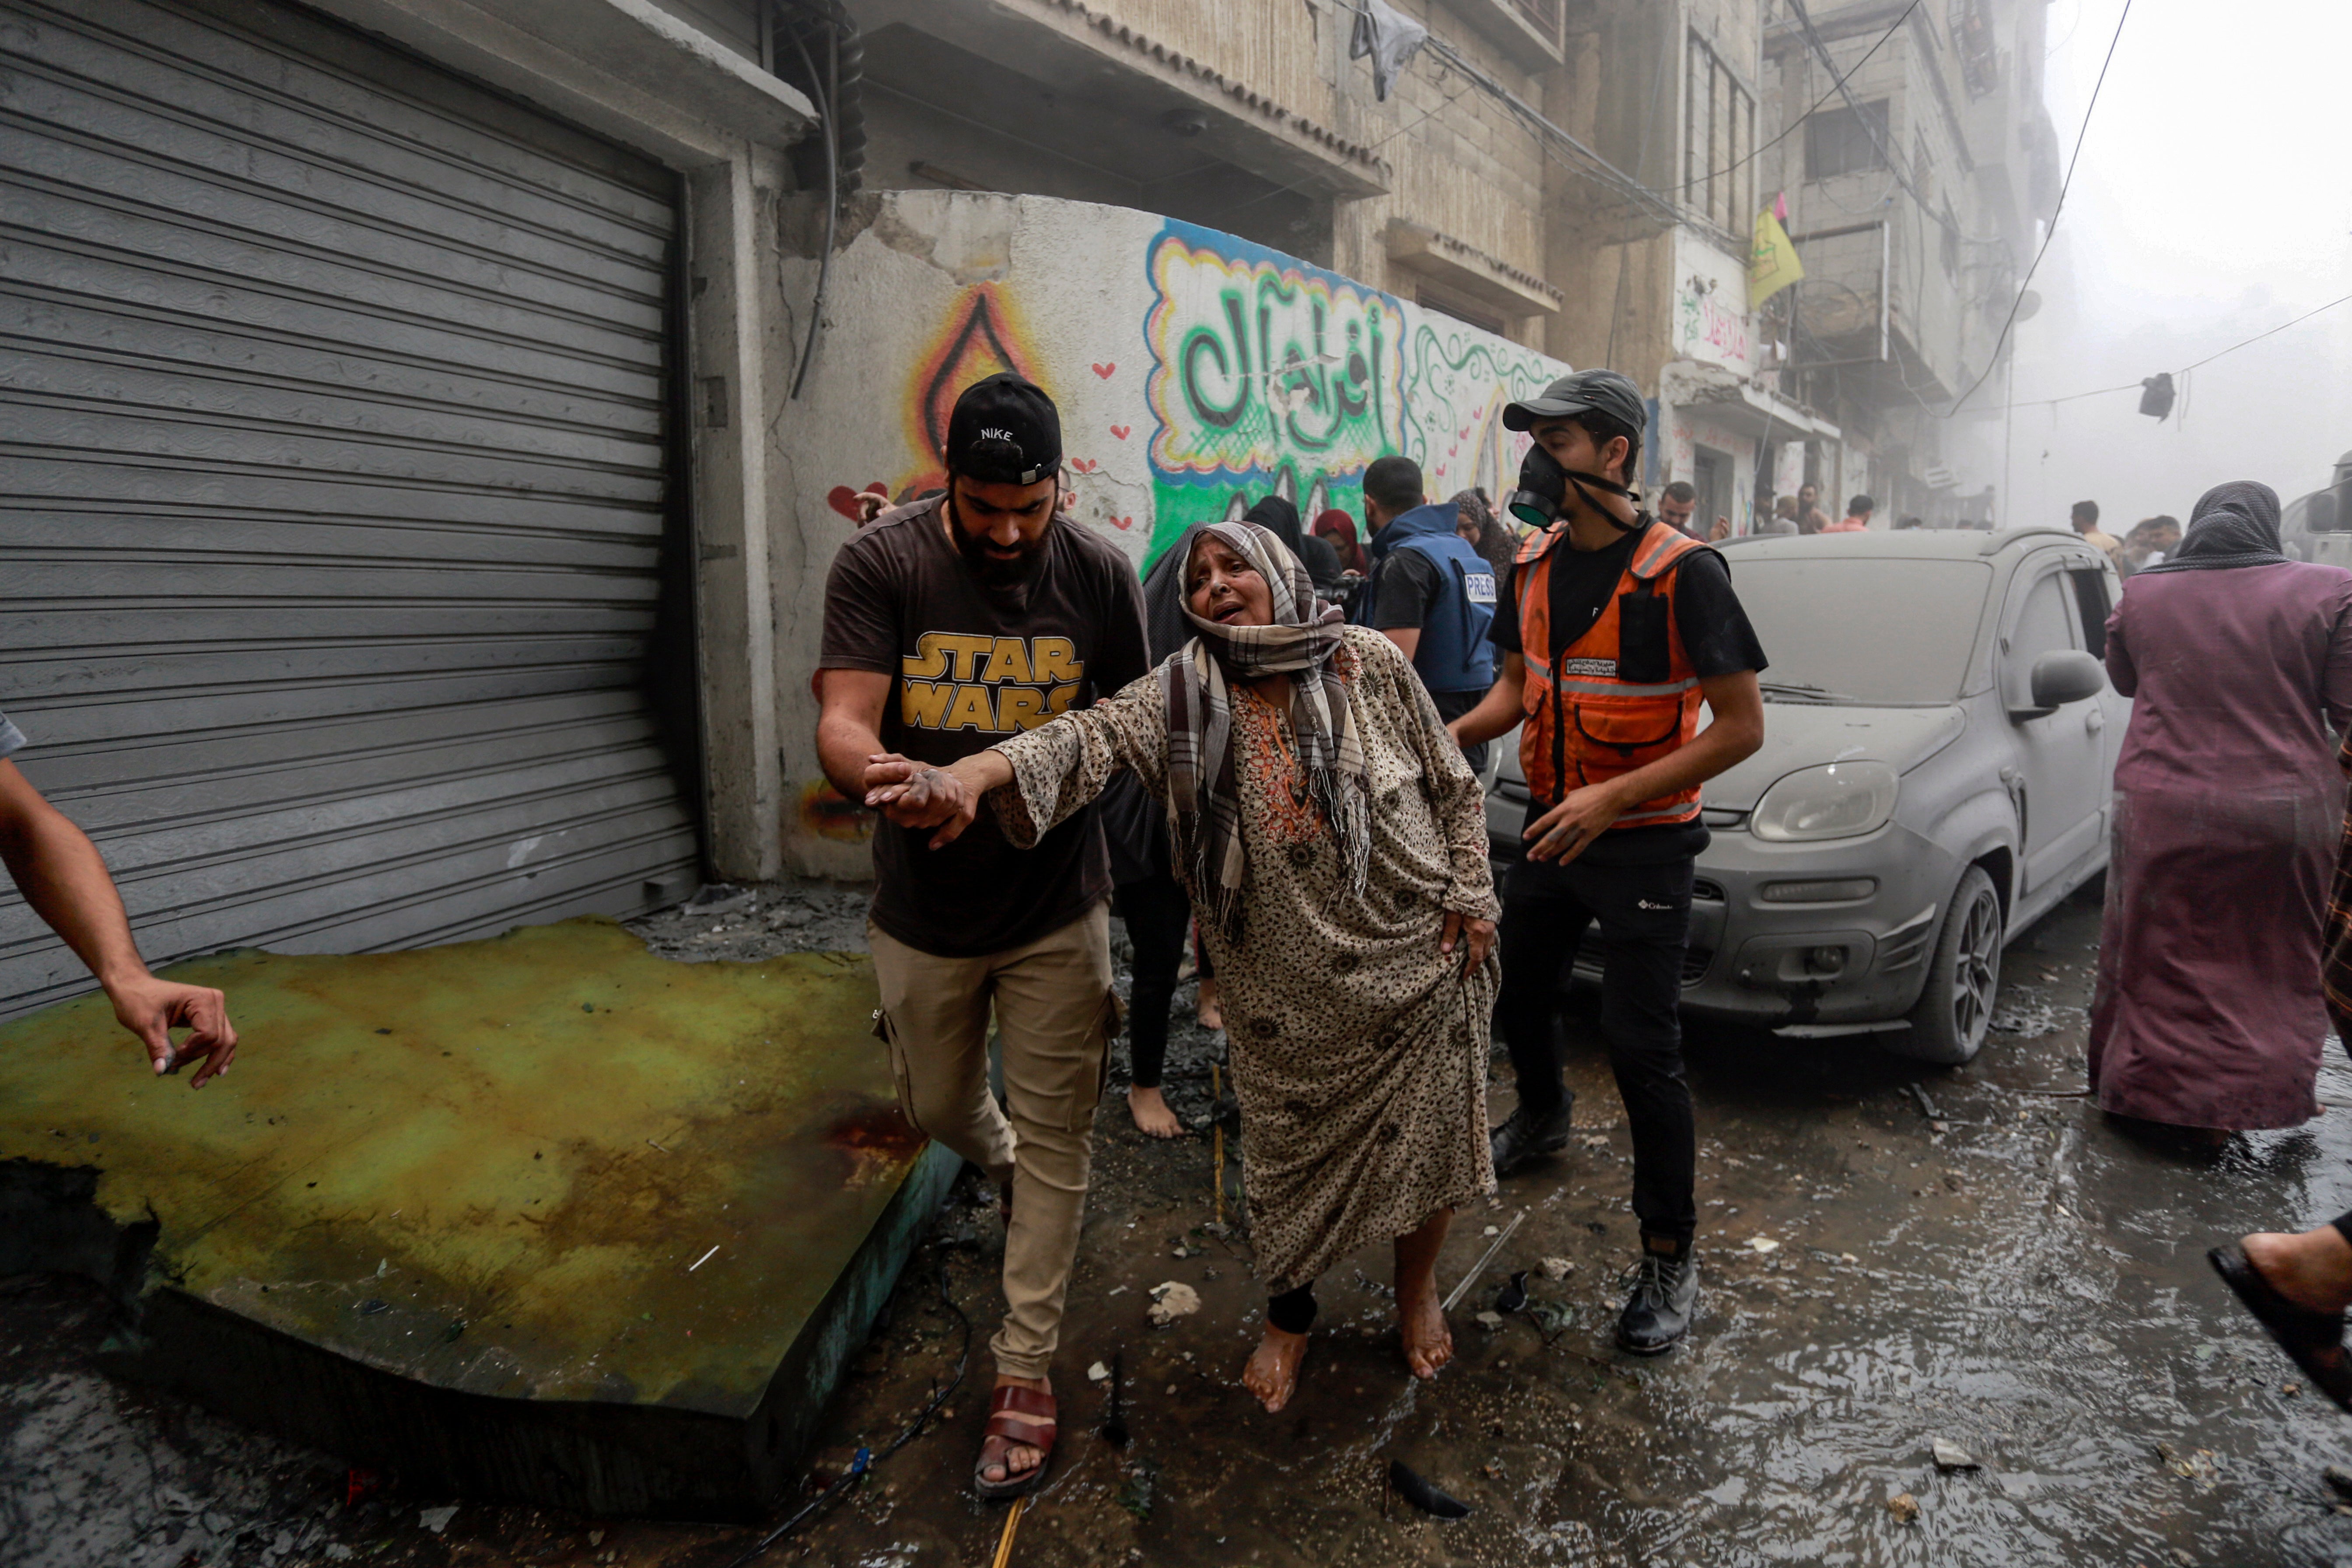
(2319, 512)
(2063, 676)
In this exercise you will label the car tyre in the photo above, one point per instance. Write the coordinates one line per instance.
(1955, 1010)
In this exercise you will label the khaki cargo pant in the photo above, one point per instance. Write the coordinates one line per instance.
(1055, 1011)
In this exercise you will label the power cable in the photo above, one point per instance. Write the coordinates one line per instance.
(2209, 359)
(2050, 232)
(863, 1466)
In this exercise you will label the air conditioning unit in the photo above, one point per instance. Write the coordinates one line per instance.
(1939, 478)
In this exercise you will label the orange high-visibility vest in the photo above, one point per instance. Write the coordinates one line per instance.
(1620, 696)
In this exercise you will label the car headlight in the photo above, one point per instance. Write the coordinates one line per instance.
(1840, 800)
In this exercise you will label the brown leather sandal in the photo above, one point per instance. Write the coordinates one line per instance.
(1017, 1418)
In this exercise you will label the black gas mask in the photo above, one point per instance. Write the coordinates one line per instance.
(1542, 493)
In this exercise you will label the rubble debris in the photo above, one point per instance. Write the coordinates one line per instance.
(1098, 1372)
(1556, 1268)
(2338, 1477)
(1171, 1299)
(1423, 1496)
(436, 1519)
(1905, 1508)
(1950, 1456)
(1513, 1296)
(1762, 1244)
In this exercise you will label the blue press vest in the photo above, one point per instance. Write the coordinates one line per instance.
(1453, 654)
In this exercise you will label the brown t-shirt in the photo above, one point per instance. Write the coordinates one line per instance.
(972, 667)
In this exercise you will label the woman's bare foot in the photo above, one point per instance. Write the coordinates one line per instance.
(2314, 1270)
(1206, 1010)
(1420, 1320)
(1273, 1370)
(1152, 1117)
(1428, 1342)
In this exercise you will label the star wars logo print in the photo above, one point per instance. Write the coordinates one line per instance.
(996, 686)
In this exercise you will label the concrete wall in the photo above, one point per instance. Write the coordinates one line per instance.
(1195, 372)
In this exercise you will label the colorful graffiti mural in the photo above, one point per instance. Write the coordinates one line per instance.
(1260, 375)
(1272, 377)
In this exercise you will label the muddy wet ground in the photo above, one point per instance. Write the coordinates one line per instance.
(1892, 1254)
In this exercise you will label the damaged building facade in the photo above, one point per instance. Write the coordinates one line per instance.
(1917, 192)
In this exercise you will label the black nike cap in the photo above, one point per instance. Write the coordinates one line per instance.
(1005, 431)
(1609, 392)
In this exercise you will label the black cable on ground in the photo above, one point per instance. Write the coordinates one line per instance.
(864, 1465)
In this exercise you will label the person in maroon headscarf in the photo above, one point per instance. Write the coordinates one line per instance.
(2208, 1013)
(1341, 529)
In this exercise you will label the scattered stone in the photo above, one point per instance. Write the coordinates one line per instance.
(2339, 1477)
(1098, 1372)
(1556, 1268)
(595, 1538)
(1762, 1244)
(1171, 1299)
(1952, 1457)
(1905, 1508)
(1493, 1230)
(2290, 1389)
(1848, 1258)
(1489, 1321)
(436, 1519)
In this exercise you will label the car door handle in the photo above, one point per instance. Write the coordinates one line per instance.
(2095, 720)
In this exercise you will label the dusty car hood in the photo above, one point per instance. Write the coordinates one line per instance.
(1803, 735)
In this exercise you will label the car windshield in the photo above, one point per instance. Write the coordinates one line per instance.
(1872, 630)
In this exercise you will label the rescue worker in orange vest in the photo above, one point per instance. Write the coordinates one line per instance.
(1614, 631)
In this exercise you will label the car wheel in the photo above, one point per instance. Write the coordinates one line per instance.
(1949, 1024)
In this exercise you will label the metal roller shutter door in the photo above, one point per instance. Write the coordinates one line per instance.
(333, 481)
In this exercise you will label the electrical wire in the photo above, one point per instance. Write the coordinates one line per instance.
(2209, 359)
(831, 80)
(2050, 233)
(863, 1466)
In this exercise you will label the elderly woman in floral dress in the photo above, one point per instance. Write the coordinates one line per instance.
(1334, 846)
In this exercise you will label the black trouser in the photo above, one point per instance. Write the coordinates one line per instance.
(1645, 917)
(1156, 912)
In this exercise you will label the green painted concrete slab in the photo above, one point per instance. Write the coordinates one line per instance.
(543, 1217)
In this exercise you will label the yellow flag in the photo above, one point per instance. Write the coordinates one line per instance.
(1772, 263)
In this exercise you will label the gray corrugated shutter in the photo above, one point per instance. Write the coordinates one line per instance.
(333, 481)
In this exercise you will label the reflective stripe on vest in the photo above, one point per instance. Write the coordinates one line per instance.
(1588, 717)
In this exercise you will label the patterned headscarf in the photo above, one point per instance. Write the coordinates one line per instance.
(1203, 793)
(2236, 524)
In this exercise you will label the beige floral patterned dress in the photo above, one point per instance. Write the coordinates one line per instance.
(1358, 1050)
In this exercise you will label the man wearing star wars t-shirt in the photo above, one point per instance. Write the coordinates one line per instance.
(948, 624)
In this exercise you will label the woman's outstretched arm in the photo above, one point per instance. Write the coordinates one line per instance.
(1036, 780)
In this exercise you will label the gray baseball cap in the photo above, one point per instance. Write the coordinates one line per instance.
(1609, 392)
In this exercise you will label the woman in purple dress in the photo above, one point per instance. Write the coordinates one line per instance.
(2227, 802)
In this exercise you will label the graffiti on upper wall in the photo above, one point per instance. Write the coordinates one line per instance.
(1264, 373)
(1258, 374)
(1456, 383)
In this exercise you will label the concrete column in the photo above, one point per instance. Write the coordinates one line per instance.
(735, 638)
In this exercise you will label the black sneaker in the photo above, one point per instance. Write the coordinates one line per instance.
(1658, 1313)
(1522, 1137)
